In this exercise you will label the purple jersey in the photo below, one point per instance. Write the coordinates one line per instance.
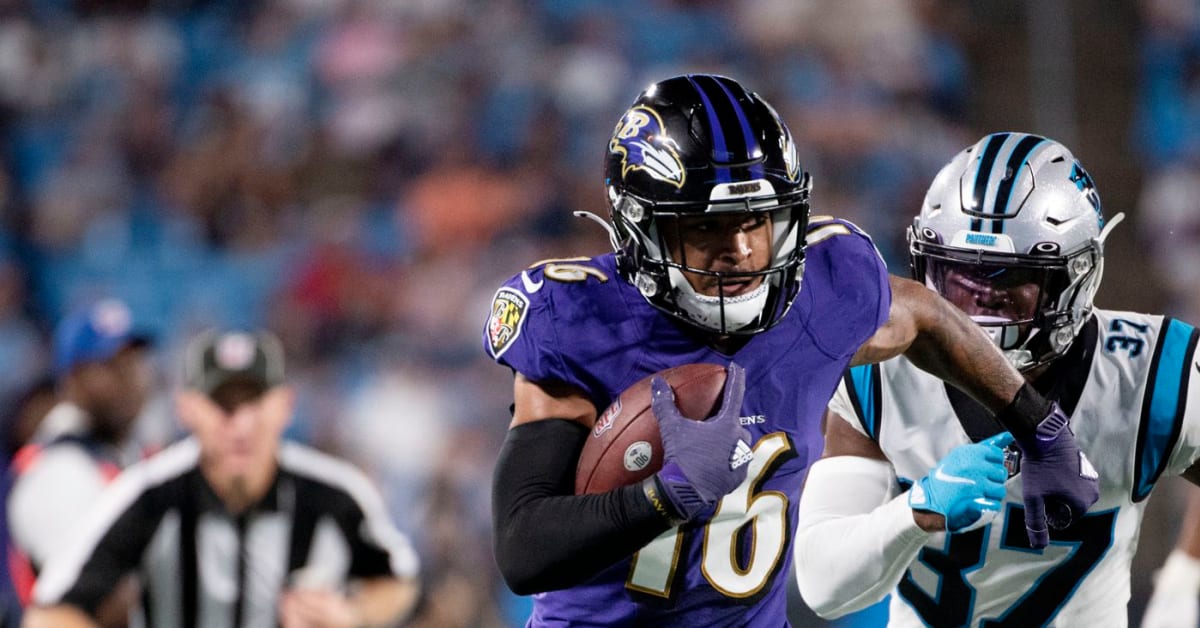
(578, 322)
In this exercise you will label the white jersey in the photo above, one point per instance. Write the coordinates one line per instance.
(1132, 412)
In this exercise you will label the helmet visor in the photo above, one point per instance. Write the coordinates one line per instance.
(736, 246)
(996, 294)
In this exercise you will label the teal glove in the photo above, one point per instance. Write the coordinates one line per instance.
(967, 485)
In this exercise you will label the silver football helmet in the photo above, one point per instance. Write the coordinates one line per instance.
(1012, 232)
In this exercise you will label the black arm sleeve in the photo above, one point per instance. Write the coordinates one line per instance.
(548, 538)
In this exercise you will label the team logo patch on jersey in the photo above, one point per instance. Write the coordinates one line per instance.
(643, 144)
(508, 315)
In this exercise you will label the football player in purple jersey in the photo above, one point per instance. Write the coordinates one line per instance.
(712, 235)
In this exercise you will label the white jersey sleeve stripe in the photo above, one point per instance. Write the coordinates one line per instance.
(309, 462)
(1163, 404)
(66, 568)
(866, 394)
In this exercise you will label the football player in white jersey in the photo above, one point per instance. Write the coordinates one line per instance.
(1011, 231)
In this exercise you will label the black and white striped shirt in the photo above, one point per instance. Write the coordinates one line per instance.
(201, 566)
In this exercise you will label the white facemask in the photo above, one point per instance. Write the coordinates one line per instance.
(1006, 336)
(740, 310)
(999, 329)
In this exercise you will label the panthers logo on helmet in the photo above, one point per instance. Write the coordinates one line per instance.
(504, 325)
(643, 144)
(1084, 182)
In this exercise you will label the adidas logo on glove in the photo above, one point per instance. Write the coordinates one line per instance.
(741, 455)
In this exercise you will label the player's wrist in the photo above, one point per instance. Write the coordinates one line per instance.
(928, 520)
(658, 498)
(1025, 413)
(927, 513)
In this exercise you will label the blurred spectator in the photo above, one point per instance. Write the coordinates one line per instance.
(1168, 125)
(22, 359)
(103, 378)
(1169, 224)
(26, 411)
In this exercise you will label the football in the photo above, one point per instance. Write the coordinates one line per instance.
(624, 447)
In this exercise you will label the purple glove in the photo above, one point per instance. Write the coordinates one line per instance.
(1058, 481)
(702, 460)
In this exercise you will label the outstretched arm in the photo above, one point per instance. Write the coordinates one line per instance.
(940, 339)
(1059, 482)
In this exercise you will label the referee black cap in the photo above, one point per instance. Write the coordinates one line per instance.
(218, 359)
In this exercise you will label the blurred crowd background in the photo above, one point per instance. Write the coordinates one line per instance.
(360, 175)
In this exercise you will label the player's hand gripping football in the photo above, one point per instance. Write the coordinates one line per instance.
(702, 460)
(967, 485)
(1058, 480)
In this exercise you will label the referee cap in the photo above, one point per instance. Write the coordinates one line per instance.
(94, 334)
(217, 358)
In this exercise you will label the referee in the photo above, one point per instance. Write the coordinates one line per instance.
(233, 526)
